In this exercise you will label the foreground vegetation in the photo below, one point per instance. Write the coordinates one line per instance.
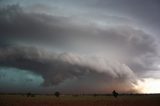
(76, 100)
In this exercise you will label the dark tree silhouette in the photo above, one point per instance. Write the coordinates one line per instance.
(95, 95)
(57, 94)
(115, 94)
(30, 94)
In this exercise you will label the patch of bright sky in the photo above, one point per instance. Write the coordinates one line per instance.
(148, 85)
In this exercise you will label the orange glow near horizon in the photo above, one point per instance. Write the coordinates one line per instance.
(148, 85)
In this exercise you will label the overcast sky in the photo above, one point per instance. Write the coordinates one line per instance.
(78, 46)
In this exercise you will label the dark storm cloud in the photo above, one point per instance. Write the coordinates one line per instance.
(133, 49)
(57, 68)
(64, 32)
(146, 12)
(16, 24)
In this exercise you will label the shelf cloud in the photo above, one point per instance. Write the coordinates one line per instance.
(81, 50)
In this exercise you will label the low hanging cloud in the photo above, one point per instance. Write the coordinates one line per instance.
(120, 53)
(57, 68)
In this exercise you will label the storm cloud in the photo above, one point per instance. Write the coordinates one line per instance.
(76, 53)
(56, 68)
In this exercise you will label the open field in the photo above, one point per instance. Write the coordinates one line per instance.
(68, 100)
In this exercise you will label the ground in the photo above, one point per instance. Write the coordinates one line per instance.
(69, 100)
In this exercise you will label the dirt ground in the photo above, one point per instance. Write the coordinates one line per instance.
(44, 100)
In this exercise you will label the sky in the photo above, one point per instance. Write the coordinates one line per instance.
(80, 46)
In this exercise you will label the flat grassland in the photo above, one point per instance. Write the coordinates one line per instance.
(69, 100)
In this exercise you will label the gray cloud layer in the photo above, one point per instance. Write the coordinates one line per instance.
(122, 52)
(57, 68)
